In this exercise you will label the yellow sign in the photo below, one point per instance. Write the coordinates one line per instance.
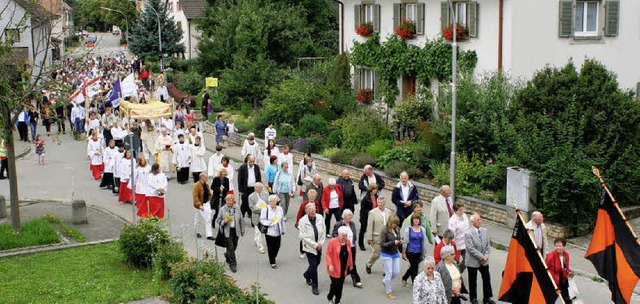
(212, 82)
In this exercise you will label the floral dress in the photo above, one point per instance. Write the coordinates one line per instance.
(427, 291)
(39, 147)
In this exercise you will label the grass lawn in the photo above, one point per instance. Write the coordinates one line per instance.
(89, 274)
(40, 231)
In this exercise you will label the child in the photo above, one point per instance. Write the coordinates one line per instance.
(40, 149)
(191, 118)
(231, 132)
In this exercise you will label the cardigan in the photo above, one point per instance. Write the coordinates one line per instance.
(198, 194)
(332, 258)
(326, 197)
(559, 274)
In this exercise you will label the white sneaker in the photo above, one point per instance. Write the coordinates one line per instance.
(261, 250)
(302, 256)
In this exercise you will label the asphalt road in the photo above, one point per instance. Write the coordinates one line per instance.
(66, 176)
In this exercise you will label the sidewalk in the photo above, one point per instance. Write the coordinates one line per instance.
(500, 234)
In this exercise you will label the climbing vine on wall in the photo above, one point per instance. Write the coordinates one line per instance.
(395, 58)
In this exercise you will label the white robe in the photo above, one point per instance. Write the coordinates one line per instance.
(181, 154)
(156, 182)
(286, 158)
(175, 134)
(94, 151)
(275, 152)
(141, 174)
(149, 142)
(198, 164)
(164, 156)
(215, 161)
(118, 133)
(109, 158)
(124, 170)
(93, 125)
(167, 123)
(116, 164)
(251, 149)
(191, 139)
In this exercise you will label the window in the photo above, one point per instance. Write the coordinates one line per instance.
(367, 12)
(170, 7)
(180, 26)
(466, 13)
(178, 6)
(367, 78)
(586, 18)
(12, 35)
(411, 12)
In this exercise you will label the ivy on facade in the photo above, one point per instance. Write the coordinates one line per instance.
(396, 58)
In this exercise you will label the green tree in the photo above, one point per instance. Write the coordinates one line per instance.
(144, 39)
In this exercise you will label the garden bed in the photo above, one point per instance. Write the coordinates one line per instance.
(42, 231)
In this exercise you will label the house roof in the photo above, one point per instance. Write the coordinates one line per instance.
(193, 8)
(36, 11)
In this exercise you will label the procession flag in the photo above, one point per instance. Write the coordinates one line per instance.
(80, 95)
(525, 278)
(614, 249)
(114, 95)
(128, 86)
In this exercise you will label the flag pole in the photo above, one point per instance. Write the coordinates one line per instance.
(539, 254)
(596, 172)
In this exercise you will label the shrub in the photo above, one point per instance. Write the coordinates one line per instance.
(411, 111)
(153, 67)
(90, 29)
(286, 130)
(139, 242)
(379, 147)
(359, 129)
(342, 156)
(334, 139)
(313, 124)
(328, 152)
(395, 167)
(167, 255)
(181, 65)
(152, 58)
(362, 160)
(313, 144)
(243, 125)
(400, 154)
(289, 101)
(206, 282)
(285, 141)
(190, 83)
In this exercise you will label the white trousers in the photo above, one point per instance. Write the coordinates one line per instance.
(206, 215)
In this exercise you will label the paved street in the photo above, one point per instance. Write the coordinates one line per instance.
(66, 176)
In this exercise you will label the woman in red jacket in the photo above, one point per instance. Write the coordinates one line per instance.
(558, 264)
(338, 260)
(332, 203)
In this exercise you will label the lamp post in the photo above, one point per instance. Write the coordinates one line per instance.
(454, 76)
(125, 20)
(159, 34)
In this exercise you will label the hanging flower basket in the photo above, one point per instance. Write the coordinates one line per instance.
(462, 32)
(364, 96)
(406, 30)
(365, 29)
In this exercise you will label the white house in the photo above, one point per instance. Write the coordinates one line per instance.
(518, 37)
(28, 27)
(61, 25)
(184, 12)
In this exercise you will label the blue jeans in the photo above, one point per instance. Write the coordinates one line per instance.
(32, 126)
(391, 270)
(79, 125)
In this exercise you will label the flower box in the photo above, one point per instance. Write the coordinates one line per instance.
(462, 32)
(364, 96)
(406, 30)
(365, 29)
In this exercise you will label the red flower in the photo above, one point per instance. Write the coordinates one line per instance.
(406, 30)
(365, 29)
(364, 96)
(462, 32)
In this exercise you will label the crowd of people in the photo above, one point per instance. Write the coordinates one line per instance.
(438, 243)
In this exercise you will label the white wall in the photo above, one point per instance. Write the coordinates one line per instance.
(178, 16)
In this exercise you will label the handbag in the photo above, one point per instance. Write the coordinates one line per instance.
(221, 240)
(263, 229)
(573, 289)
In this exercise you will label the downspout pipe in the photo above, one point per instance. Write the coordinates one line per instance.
(341, 4)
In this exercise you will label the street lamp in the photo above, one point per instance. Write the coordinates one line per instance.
(159, 34)
(454, 76)
(125, 19)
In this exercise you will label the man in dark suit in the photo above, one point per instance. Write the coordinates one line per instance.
(367, 178)
(477, 259)
(248, 176)
(348, 190)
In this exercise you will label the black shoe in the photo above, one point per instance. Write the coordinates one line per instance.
(368, 269)
(362, 248)
(3, 177)
(474, 301)
(315, 291)
(211, 238)
(198, 235)
(307, 278)
(234, 269)
(488, 301)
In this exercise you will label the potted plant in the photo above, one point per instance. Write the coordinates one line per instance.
(406, 30)
(364, 96)
(461, 30)
(365, 29)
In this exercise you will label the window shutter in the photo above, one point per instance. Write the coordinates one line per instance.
(565, 26)
(376, 85)
(420, 21)
(357, 19)
(612, 18)
(473, 19)
(397, 15)
(444, 14)
(376, 18)
(357, 82)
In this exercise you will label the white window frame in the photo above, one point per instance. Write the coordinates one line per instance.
(368, 79)
(368, 13)
(585, 22)
(411, 12)
(462, 12)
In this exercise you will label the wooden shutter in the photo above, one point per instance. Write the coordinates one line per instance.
(612, 18)
(444, 14)
(565, 25)
(376, 18)
(357, 74)
(420, 22)
(357, 13)
(376, 85)
(397, 15)
(473, 19)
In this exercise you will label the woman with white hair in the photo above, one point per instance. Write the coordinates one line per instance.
(332, 203)
(451, 276)
(352, 236)
(273, 217)
(428, 287)
(339, 261)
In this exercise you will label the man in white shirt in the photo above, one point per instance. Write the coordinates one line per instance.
(538, 230)
(250, 146)
(248, 176)
(23, 127)
(269, 133)
(162, 93)
(77, 117)
(440, 212)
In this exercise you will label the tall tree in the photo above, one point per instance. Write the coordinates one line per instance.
(144, 38)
